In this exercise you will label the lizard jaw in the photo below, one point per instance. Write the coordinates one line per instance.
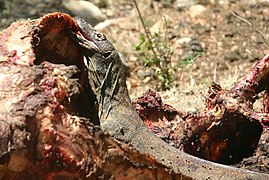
(89, 45)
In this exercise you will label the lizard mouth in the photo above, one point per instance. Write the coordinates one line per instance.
(84, 41)
(89, 47)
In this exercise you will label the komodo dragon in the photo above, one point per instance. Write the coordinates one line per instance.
(118, 117)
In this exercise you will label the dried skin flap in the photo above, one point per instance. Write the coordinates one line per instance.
(54, 43)
(43, 39)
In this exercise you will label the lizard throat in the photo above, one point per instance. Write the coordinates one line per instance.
(108, 80)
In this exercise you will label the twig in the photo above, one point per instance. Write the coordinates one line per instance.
(166, 57)
(252, 25)
(146, 31)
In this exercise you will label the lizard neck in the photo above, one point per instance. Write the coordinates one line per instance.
(116, 113)
(109, 79)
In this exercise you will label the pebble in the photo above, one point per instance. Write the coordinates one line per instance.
(159, 26)
(132, 83)
(102, 25)
(182, 4)
(85, 10)
(183, 40)
(146, 80)
(196, 46)
(196, 10)
(142, 74)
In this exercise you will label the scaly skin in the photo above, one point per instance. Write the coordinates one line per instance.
(105, 70)
(119, 119)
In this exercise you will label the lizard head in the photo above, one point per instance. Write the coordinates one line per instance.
(92, 40)
(105, 68)
(97, 49)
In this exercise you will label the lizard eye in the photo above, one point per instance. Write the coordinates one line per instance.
(100, 36)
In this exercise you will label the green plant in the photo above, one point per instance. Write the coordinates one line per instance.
(160, 60)
(157, 53)
(189, 59)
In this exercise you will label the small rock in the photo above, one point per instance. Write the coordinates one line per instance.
(225, 1)
(146, 80)
(159, 26)
(196, 46)
(86, 10)
(229, 34)
(133, 58)
(102, 25)
(171, 35)
(142, 74)
(182, 4)
(110, 12)
(131, 83)
(196, 10)
(184, 40)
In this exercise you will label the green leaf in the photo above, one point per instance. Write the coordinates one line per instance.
(142, 38)
(138, 47)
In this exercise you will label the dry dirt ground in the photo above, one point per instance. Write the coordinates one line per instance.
(231, 46)
(232, 34)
